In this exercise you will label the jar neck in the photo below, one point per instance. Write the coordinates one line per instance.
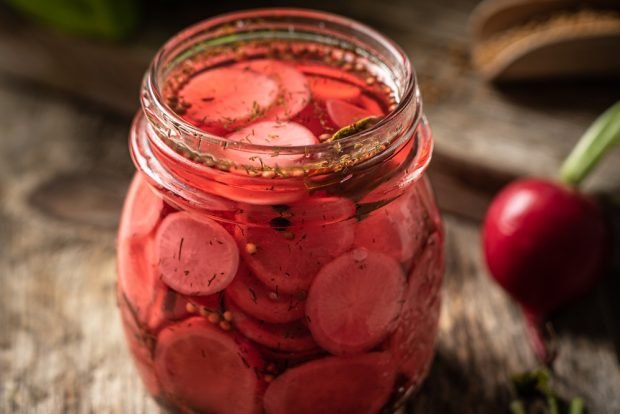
(189, 163)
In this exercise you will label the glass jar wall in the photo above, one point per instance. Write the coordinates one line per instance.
(280, 249)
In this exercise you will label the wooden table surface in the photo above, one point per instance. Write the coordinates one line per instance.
(64, 168)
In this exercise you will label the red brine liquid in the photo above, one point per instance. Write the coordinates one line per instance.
(311, 304)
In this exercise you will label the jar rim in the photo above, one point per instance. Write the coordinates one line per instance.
(154, 104)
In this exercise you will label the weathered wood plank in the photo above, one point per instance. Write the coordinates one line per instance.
(61, 345)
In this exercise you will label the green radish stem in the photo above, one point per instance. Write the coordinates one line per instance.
(517, 407)
(601, 136)
(576, 406)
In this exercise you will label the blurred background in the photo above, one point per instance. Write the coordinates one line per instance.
(508, 87)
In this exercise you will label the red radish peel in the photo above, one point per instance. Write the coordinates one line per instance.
(546, 243)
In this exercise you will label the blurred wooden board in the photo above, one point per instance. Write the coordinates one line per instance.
(64, 169)
(484, 136)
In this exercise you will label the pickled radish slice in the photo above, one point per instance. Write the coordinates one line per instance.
(314, 117)
(293, 336)
(288, 259)
(211, 303)
(137, 277)
(260, 302)
(206, 368)
(290, 358)
(413, 349)
(412, 344)
(397, 229)
(168, 306)
(427, 274)
(228, 96)
(294, 93)
(371, 105)
(195, 257)
(311, 211)
(136, 274)
(326, 88)
(343, 113)
(353, 385)
(354, 301)
(139, 350)
(271, 133)
(321, 210)
(146, 211)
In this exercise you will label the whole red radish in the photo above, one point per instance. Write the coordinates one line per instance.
(545, 243)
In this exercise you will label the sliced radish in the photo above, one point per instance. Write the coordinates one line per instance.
(137, 277)
(311, 211)
(322, 210)
(143, 209)
(288, 358)
(292, 336)
(397, 229)
(412, 344)
(140, 352)
(195, 257)
(135, 263)
(139, 347)
(343, 113)
(168, 306)
(228, 96)
(314, 117)
(211, 303)
(294, 93)
(246, 189)
(256, 299)
(205, 368)
(271, 133)
(359, 385)
(370, 105)
(327, 88)
(354, 301)
(289, 251)
(427, 273)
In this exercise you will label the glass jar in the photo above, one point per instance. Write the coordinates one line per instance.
(280, 278)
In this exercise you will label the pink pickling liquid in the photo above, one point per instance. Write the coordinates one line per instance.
(229, 101)
(301, 306)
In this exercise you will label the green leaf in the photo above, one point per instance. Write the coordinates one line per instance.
(358, 126)
(533, 384)
(108, 19)
(600, 137)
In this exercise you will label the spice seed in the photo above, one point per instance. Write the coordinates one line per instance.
(228, 316)
(214, 318)
(225, 325)
(250, 248)
(190, 307)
